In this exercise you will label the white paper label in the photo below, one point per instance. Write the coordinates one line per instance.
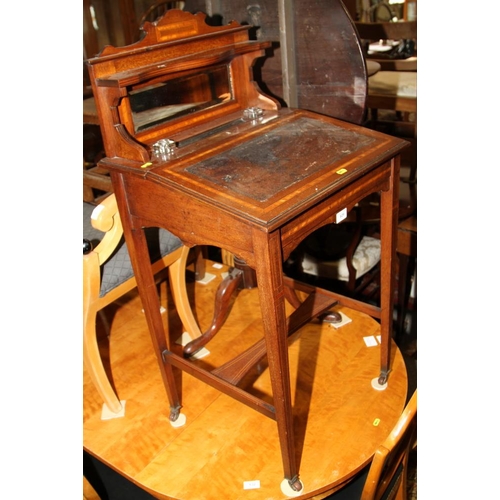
(341, 215)
(370, 341)
(251, 485)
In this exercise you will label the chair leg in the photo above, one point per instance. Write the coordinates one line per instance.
(94, 365)
(177, 279)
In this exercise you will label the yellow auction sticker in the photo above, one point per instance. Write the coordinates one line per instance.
(341, 171)
(146, 165)
(376, 422)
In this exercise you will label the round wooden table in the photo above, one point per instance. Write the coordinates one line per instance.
(225, 446)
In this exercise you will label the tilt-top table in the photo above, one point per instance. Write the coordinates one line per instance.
(225, 167)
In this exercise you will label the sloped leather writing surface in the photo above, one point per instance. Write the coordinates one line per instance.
(263, 166)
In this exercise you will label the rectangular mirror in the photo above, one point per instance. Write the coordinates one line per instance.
(160, 102)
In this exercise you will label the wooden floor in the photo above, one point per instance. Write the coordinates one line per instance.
(225, 443)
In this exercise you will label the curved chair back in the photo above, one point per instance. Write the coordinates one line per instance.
(386, 476)
(108, 275)
(388, 471)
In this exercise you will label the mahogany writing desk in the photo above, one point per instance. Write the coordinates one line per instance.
(223, 166)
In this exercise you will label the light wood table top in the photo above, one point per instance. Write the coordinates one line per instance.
(339, 419)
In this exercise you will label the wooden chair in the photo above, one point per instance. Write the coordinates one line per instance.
(108, 275)
(343, 257)
(386, 476)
